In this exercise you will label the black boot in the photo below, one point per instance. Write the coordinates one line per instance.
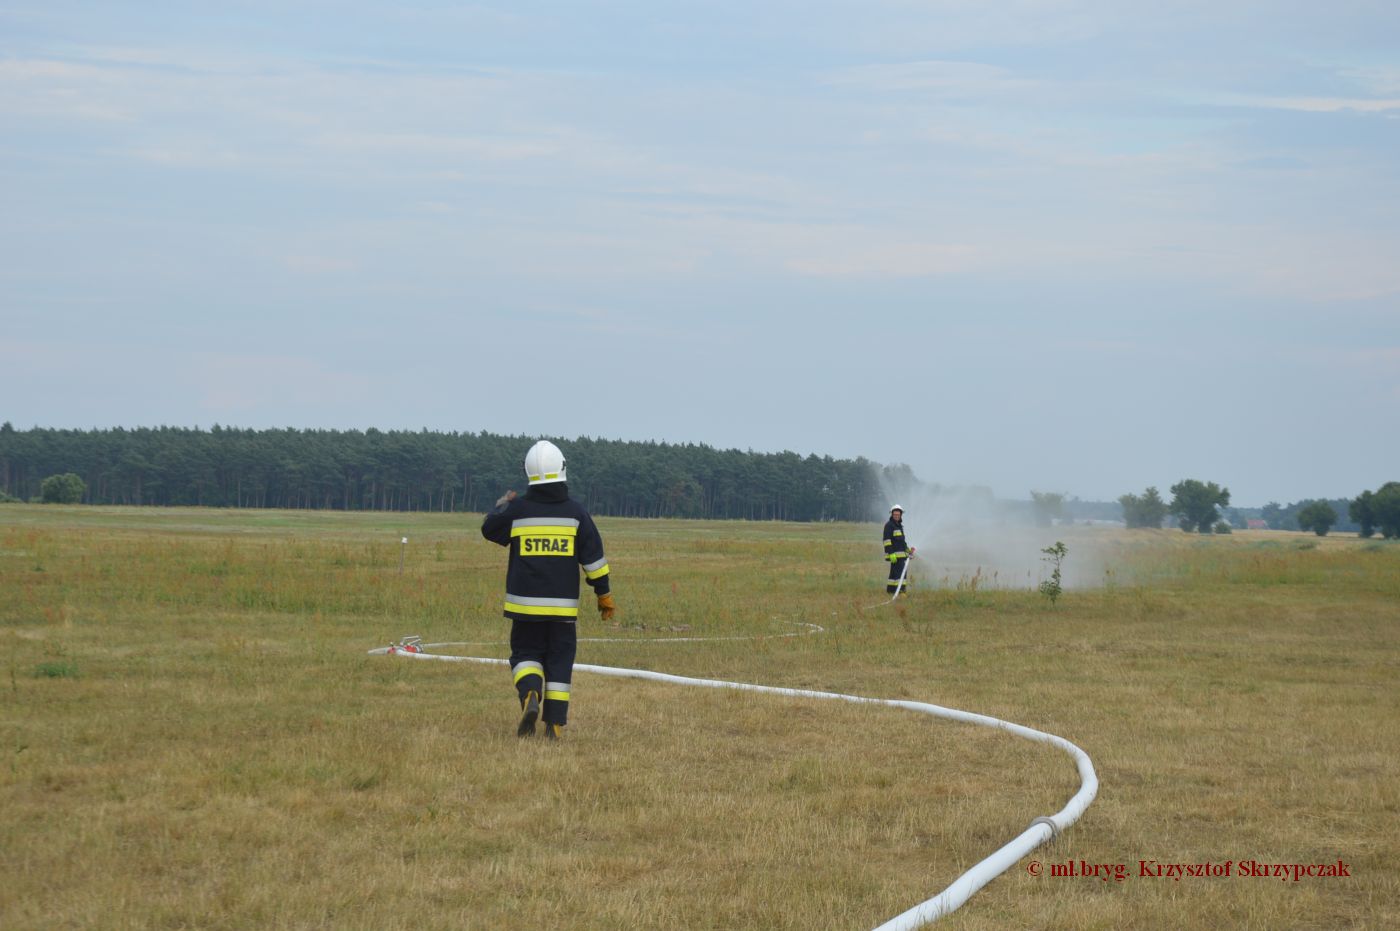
(530, 705)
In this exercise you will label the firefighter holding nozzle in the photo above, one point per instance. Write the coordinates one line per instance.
(551, 539)
(898, 552)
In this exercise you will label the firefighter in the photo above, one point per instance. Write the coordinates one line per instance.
(551, 538)
(897, 551)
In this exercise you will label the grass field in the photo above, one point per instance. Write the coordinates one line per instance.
(194, 736)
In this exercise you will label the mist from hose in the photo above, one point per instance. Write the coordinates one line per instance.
(966, 536)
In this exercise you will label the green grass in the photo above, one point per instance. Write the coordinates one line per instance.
(195, 737)
(56, 670)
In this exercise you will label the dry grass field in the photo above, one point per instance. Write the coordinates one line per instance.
(194, 735)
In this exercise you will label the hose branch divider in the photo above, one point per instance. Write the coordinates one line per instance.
(1042, 829)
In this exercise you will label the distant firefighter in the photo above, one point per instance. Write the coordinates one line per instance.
(897, 552)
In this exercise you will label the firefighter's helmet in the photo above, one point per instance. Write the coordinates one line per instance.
(896, 507)
(544, 463)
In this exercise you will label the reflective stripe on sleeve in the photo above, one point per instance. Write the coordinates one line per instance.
(596, 570)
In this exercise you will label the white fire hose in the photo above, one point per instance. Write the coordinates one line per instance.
(950, 899)
(903, 572)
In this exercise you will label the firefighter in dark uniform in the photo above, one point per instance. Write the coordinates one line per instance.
(897, 551)
(551, 539)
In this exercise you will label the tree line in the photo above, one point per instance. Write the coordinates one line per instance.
(1304, 514)
(435, 471)
(430, 471)
(1194, 505)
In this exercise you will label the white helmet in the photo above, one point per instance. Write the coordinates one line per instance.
(544, 463)
(896, 507)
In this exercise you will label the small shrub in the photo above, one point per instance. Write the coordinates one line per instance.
(1317, 516)
(67, 488)
(1054, 555)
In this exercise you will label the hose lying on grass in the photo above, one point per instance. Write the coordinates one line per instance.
(949, 900)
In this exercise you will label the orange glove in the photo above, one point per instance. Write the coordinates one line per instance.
(606, 607)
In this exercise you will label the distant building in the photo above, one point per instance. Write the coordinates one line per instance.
(1255, 524)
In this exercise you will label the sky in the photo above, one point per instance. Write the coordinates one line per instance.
(1076, 246)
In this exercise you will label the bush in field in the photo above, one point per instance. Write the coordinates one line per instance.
(1318, 517)
(1378, 510)
(1145, 510)
(1047, 505)
(67, 488)
(1360, 511)
(1194, 503)
(1387, 508)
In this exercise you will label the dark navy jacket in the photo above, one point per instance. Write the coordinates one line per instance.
(551, 537)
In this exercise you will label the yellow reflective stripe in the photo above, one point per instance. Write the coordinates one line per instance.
(541, 602)
(597, 573)
(545, 530)
(556, 696)
(528, 668)
(889, 543)
(542, 610)
(538, 538)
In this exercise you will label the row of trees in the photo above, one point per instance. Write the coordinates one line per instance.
(1371, 511)
(431, 471)
(1378, 511)
(410, 471)
(1291, 516)
(1194, 505)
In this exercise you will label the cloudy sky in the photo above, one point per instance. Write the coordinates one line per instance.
(1083, 246)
